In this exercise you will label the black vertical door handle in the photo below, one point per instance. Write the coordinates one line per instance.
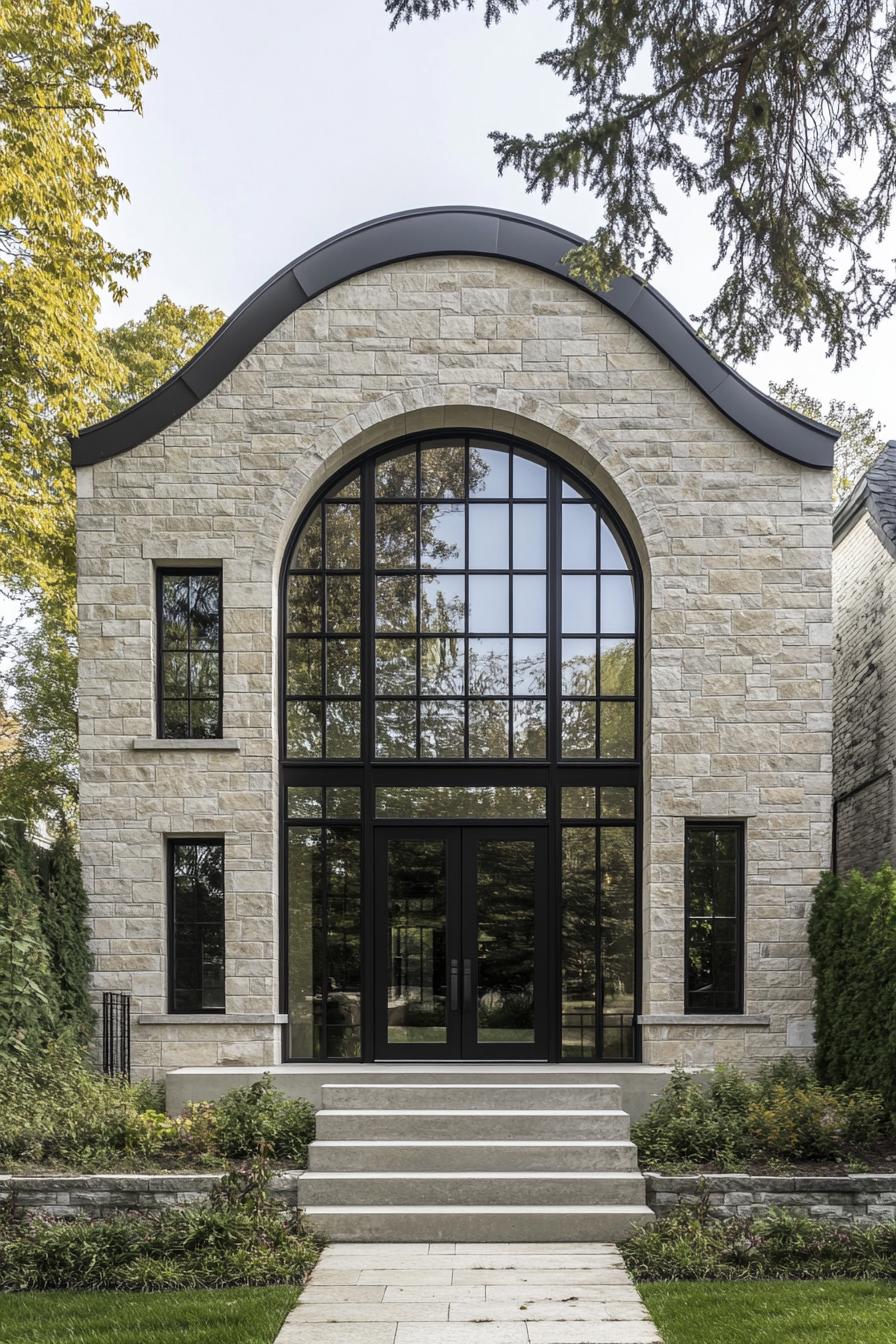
(453, 1004)
(468, 982)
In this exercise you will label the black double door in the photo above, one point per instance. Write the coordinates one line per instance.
(461, 943)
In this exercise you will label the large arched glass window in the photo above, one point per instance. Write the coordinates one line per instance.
(460, 631)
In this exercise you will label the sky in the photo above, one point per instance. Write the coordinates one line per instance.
(273, 124)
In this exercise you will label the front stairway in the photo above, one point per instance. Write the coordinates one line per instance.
(497, 1154)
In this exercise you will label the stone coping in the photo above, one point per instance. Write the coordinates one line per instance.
(704, 1020)
(185, 744)
(724, 1180)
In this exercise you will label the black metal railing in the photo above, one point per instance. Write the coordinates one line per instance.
(117, 1034)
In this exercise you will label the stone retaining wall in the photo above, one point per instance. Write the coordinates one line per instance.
(65, 1196)
(857, 1199)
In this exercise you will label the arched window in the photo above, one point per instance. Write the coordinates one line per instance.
(460, 748)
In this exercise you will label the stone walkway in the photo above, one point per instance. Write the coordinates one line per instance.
(470, 1293)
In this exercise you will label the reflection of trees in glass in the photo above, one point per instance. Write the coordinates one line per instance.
(617, 667)
(417, 913)
(617, 880)
(505, 904)
(579, 941)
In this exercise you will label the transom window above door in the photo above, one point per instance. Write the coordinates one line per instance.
(460, 597)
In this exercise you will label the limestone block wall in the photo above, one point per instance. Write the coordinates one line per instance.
(735, 546)
(864, 581)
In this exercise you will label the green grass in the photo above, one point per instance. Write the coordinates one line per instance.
(211, 1316)
(766, 1312)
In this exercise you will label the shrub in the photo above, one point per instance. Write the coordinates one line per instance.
(784, 1116)
(248, 1116)
(690, 1244)
(28, 999)
(63, 917)
(852, 941)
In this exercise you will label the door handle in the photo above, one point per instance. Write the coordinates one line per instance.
(468, 982)
(452, 988)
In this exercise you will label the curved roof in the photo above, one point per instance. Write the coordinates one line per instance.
(445, 231)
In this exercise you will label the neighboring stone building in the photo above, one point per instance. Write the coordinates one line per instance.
(562, 667)
(865, 670)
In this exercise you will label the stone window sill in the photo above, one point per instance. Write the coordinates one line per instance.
(211, 1019)
(185, 744)
(704, 1020)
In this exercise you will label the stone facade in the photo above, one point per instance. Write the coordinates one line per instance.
(735, 545)
(846, 1199)
(864, 697)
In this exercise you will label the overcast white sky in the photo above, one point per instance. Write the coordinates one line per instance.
(275, 123)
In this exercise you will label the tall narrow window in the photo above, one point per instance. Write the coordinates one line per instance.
(714, 885)
(189, 650)
(196, 926)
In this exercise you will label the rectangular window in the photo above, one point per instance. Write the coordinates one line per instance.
(189, 653)
(714, 900)
(196, 926)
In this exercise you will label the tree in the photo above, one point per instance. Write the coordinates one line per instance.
(860, 433)
(755, 107)
(152, 349)
(28, 1001)
(63, 915)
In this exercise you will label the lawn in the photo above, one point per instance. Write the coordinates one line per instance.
(766, 1312)
(211, 1316)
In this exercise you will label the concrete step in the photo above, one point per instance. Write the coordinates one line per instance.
(376, 1188)
(482, 1223)
(472, 1096)
(472, 1155)
(495, 1124)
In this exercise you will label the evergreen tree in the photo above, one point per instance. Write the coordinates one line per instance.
(28, 999)
(63, 913)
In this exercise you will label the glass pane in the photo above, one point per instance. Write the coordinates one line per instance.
(489, 471)
(530, 603)
(303, 667)
(175, 611)
(579, 668)
(442, 536)
(700, 888)
(416, 877)
(529, 667)
(204, 675)
(396, 475)
(396, 666)
(303, 728)
(617, 604)
(579, 536)
(489, 666)
(579, 943)
(580, 603)
(304, 609)
(442, 665)
(396, 603)
(177, 718)
(344, 603)
(304, 940)
(489, 723)
(204, 718)
(617, 666)
(529, 728)
(578, 801)
(616, 801)
(442, 602)
(505, 941)
(343, 524)
(441, 728)
(396, 728)
(617, 939)
(176, 674)
(396, 536)
(529, 536)
(349, 489)
(571, 491)
(530, 477)
(304, 801)
(343, 802)
(489, 536)
(489, 603)
(612, 554)
(617, 729)
(343, 667)
(462, 801)
(307, 552)
(205, 596)
(442, 471)
(343, 975)
(344, 728)
(578, 728)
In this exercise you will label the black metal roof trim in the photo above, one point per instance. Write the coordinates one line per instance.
(473, 231)
(876, 492)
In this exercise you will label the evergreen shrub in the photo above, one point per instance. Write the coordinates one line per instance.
(852, 941)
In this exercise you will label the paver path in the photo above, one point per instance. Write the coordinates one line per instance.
(470, 1293)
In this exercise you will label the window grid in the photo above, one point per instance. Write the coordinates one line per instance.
(196, 935)
(189, 674)
(714, 916)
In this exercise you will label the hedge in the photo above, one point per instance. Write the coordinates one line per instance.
(852, 941)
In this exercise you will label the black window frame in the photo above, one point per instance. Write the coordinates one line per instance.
(187, 571)
(737, 827)
(171, 844)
